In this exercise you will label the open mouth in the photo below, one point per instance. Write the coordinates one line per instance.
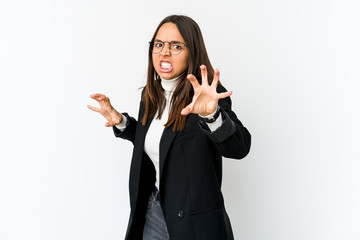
(165, 66)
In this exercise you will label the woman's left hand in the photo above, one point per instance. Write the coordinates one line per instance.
(205, 99)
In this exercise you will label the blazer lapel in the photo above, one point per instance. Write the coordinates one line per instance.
(141, 133)
(165, 143)
(136, 163)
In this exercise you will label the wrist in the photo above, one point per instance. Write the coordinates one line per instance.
(210, 118)
(120, 118)
(208, 114)
(116, 116)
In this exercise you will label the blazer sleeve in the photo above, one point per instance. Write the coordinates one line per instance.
(129, 132)
(131, 124)
(231, 139)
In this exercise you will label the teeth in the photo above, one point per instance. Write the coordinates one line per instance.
(165, 65)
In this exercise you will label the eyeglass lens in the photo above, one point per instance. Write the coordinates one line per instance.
(174, 47)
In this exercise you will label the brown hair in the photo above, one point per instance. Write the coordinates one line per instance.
(154, 98)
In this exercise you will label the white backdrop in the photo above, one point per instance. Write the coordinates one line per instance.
(293, 67)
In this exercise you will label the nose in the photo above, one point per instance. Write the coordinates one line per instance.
(166, 49)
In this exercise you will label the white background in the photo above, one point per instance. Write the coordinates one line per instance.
(293, 67)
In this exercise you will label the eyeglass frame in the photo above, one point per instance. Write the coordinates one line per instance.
(163, 42)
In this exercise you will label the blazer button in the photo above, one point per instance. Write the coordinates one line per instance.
(181, 214)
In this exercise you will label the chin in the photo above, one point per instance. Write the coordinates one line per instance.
(166, 76)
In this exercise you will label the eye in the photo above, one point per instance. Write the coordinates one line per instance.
(158, 45)
(177, 46)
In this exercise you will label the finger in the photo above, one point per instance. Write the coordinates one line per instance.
(101, 98)
(96, 96)
(93, 108)
(93, 95)
(187, 109)
(224, 94)
(216, 78)
(204, 77)
(194, 82)
(111, 123)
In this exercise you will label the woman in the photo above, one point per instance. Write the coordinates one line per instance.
(185, 125)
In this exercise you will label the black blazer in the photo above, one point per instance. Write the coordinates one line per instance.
(190, 175)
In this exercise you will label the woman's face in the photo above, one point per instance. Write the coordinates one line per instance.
(166, 64)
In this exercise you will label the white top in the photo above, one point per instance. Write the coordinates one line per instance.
(156, 128)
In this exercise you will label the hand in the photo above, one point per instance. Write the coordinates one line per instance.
(113, 116)
(205, 99)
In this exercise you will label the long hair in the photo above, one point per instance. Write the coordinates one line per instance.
(154, 97)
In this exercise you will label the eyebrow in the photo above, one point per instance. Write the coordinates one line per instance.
(175, 41)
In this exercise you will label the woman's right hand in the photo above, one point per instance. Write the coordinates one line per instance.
(106, 109)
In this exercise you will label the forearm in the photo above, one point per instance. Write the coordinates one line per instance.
(231, 139)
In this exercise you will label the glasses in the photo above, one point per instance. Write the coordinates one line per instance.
(175, 47)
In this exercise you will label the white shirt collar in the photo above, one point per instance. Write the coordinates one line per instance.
(169, 85)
